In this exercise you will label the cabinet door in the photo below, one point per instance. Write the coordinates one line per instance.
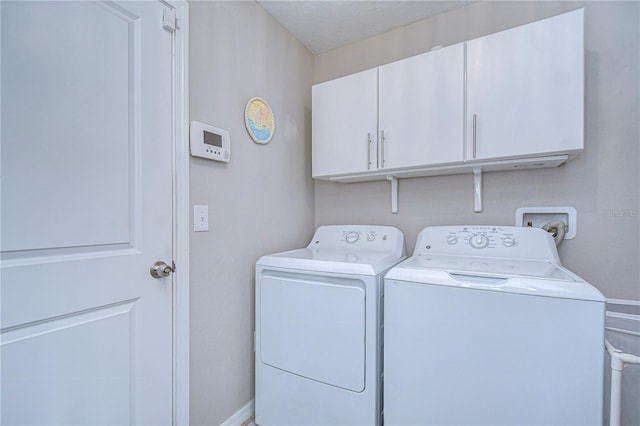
(344, 124)
(525, 89)
(421, 101)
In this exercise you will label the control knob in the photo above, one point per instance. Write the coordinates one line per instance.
(352, 237)
(478, 241)
(508, 242)
(452, 239)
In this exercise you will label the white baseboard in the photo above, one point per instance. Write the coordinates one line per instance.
(241, 416)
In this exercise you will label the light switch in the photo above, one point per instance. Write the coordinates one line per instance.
(200, 218)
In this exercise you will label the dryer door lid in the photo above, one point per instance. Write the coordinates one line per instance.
(314, 328)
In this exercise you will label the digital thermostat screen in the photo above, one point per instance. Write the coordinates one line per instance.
(212, 139)
(209, 142)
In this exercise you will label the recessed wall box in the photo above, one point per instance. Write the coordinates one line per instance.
(537, 217)
(209, 142)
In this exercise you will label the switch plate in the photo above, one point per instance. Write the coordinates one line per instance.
(200, 218)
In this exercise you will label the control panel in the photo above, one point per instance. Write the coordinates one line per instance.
(481, 237)
(209, 142)
(358, 237)
(351, 237)
(488, 241)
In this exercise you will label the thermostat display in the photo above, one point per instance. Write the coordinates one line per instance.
(209, 142)
(212, 139)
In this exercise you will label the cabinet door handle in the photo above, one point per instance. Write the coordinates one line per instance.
(384, 140)
(369, 151)
(475, 120)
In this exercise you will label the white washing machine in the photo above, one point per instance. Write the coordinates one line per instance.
(318, 342)
(483, 326)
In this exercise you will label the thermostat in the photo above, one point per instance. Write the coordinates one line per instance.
(209, 142)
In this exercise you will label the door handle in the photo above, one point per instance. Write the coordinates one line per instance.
(369, 151)
(160, 270)
(383, 142)
(475, 128)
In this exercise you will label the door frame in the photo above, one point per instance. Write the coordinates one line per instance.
(181, 210)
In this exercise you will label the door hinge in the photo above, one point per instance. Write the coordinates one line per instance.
(169, 20)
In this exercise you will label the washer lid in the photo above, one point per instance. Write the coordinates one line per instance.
(336, 261)
(482, 266)
(533, 277)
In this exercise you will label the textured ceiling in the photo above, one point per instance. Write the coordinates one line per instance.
(323, 25)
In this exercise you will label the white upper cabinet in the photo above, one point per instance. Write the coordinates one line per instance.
(525, 90)
(505, 101)
(405, 114)
(421, 109)
(344, 124)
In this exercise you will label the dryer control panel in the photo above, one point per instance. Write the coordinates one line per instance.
(353, 236)
(359, 237)
(488, 241)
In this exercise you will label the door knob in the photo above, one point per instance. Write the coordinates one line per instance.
(160, 270)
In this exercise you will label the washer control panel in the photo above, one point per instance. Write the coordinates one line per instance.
(479, 237)
(493, 241)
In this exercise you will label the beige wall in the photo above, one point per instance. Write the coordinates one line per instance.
(261, 202)
(602, 183)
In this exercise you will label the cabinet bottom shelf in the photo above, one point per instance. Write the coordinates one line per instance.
(488, 166)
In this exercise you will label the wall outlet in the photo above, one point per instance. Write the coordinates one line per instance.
(537, 217)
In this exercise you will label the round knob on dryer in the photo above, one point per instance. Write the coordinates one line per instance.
(452, 239)
(352, 237)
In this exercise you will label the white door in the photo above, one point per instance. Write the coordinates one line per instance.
(422, 109)
(86, 209)
(345, 123)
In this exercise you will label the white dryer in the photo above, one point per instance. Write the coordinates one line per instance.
(483, 326)
(318, 337)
